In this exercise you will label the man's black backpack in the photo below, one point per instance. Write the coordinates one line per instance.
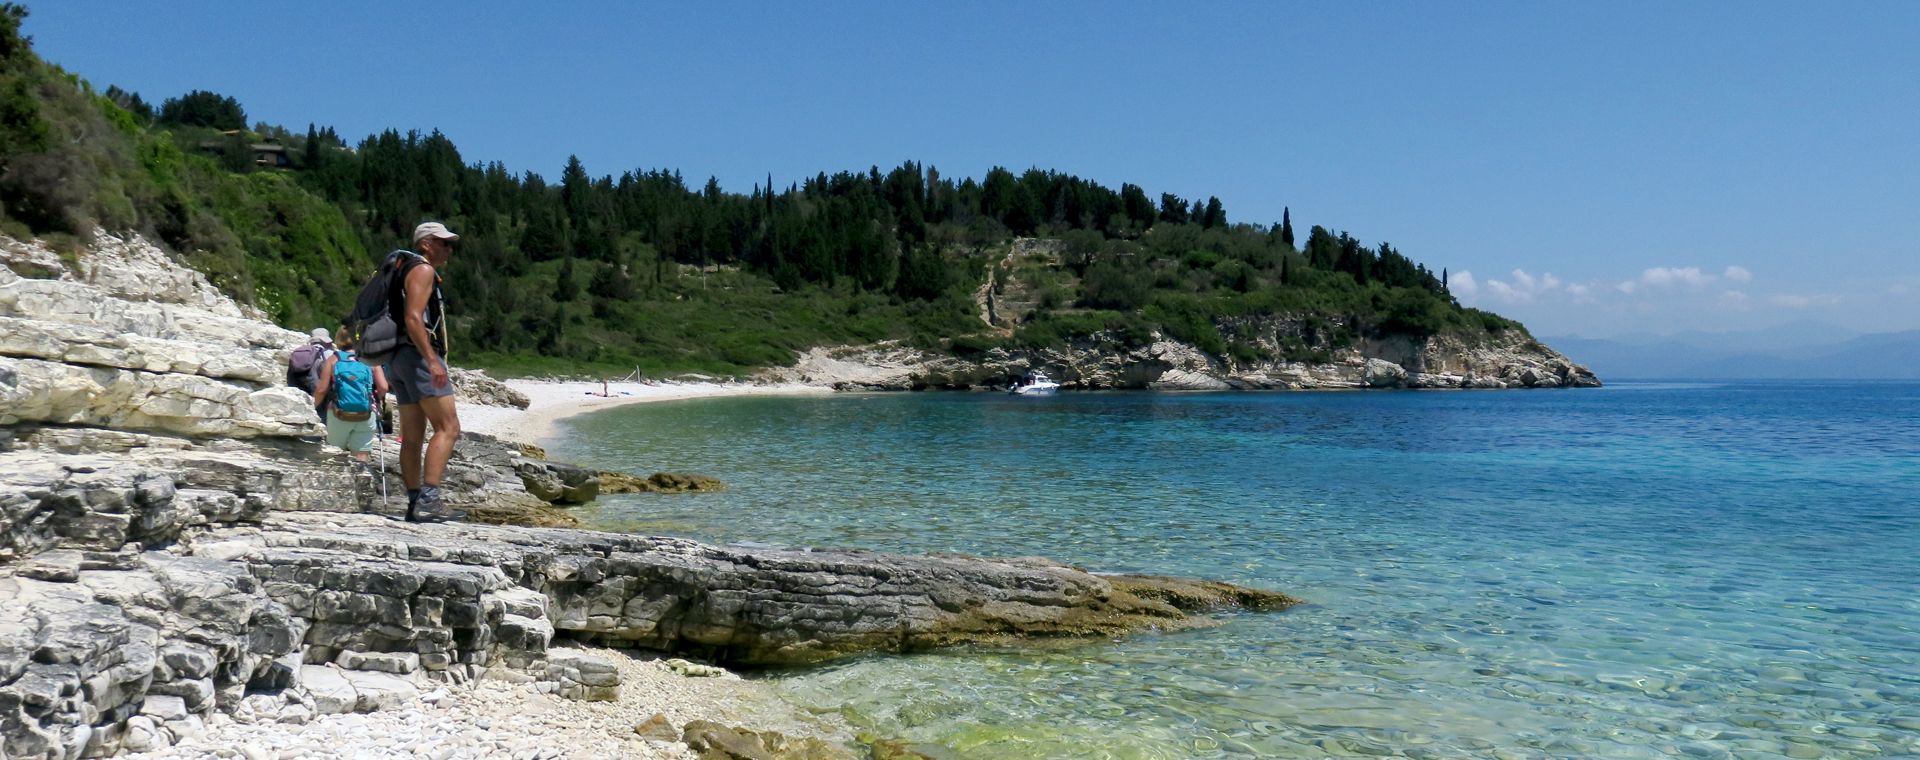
(375, 323)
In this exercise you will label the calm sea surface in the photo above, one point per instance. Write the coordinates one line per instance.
(1645, 570)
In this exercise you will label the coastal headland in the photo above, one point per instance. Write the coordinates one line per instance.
(185, 570)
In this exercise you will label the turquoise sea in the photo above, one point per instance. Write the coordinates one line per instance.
(1644, 570)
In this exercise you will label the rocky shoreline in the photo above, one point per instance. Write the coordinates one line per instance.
(1507, 360)
(185, 570)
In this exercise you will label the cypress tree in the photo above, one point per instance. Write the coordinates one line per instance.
(564, 288)
(310, 153)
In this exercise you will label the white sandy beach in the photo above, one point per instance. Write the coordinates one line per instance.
(553, 401)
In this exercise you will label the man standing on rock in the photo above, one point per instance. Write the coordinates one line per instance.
(418, 372)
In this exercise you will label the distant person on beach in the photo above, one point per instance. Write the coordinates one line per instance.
(419, 374)
(348, 396)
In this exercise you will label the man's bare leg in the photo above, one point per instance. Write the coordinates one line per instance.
(441, 412)
(413, 439)
(431, 504)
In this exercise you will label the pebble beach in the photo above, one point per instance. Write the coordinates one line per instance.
(503, 719)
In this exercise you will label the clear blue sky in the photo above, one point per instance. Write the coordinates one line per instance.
(1647, 167)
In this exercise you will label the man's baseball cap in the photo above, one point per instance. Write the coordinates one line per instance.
(319, 335)
(434, 229)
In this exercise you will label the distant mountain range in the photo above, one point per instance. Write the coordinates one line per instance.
(1793, 351)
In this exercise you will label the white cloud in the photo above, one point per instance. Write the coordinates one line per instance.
(1507, 292)
(1523, 287)
(1661, 277)
(1462, 284)
(1659, 297)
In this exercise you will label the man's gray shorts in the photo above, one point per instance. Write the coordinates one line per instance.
(410, 378)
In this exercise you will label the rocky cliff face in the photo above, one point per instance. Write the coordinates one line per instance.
(1510, 359)
(1506, 360)
(175, 544)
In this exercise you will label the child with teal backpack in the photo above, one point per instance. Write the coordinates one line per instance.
(348, 392)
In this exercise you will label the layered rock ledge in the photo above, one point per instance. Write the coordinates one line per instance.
(145, 606)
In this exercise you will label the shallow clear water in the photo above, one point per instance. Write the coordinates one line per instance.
(1638, 571)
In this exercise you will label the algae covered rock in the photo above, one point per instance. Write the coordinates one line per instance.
(715, 741)
(529, 513)
(659, 482)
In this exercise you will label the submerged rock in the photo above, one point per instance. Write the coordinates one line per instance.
(714, 741)
(659, 482)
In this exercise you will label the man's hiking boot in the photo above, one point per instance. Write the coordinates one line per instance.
(432, 507)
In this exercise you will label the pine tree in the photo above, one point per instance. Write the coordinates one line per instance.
(201, 108)
(1322, 249)
(1173, 209)
(1216, 214)
(131, 103)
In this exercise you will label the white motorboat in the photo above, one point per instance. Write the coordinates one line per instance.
(1036, 384)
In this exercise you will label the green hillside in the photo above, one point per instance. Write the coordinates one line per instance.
(642, 269)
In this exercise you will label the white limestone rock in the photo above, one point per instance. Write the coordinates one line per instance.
(332, 693)
(33, 390)
(164, 708)
(380, 691)
(1381, 373)
(397, 663)
(98, 347)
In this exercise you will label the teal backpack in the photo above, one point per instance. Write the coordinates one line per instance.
(352, 388)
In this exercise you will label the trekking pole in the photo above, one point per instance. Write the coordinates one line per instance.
(380, 441)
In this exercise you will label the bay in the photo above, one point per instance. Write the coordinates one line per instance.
(1644, 570)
